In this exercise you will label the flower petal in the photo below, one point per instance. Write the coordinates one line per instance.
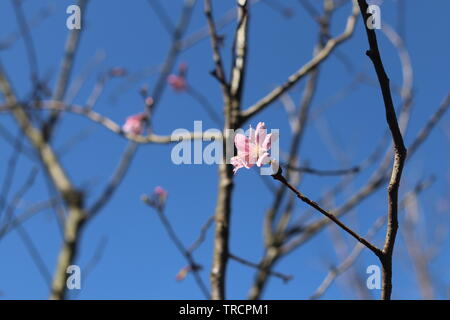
(237, 163)
(251, 134)
(134, 124)
(263, 159)
(260, 133)
(178, 83)
(267, 143)
(242, 143)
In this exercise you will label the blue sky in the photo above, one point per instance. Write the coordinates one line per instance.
(139, 261)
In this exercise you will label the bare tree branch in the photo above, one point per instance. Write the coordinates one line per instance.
(295, 77)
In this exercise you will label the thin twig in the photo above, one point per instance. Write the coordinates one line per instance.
(219, 71)
(357, 250)
(205, 104)
(25, 215)
(203, 230)
(162, 15)
(194, 267)
(320, 172)
(399, 157)
(380, 177)
(232, 107)
(347, 262)
(304, 70)
(279, 176)
(286, 278)
(30, 48)
(71, 46)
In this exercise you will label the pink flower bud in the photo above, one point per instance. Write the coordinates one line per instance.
(134, 124)
(118, 72)
(160, 192)
(149, 101)
(178, 83)
(181, 275)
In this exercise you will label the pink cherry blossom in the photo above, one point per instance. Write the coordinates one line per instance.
(149, 101)
(160, 192)
(253, 149)
(134, 124)
(177, 82)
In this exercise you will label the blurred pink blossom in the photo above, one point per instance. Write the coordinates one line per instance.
(117, 72)
(160, 192)
(149, 101)
(134, 124)
(178, 83)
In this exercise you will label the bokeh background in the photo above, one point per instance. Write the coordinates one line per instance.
(137, 260)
